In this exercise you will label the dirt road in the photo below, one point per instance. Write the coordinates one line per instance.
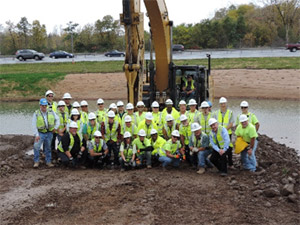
(66, 196)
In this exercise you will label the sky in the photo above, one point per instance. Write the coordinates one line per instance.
(57, 13)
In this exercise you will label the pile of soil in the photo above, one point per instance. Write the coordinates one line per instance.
(148, 196)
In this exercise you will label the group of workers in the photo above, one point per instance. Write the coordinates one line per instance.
(120, 137)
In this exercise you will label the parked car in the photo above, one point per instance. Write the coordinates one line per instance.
(60, 54)
(114, 53)
(25, 54)
(178, 48)
(293, 47)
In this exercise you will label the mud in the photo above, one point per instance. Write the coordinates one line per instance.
(177, 196)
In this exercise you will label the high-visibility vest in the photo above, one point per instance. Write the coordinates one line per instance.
(174, 148)
(91, 130)
(147, 129)
(186, 132)
(101, 115)
(111, 134)
(84, 117)
(157, 145)
(130, 129)
(100, 145)
(192, 84)
(53, 107)
(224, 121)
(174, 113)
(204, 123)
(193, 116)
(67, 110)
(133, 118)
(41, 123)
(197, 142)
(72, 140)
(141, 145)
(219, 141)
(63, 120)
(128, 151)
(169, 130)
(139, 117)
(157, 119)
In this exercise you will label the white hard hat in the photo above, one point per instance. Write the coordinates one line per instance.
(127, 119)
(129, 106)
(84, 103)
(75, 112)
(195, 126)
(113, 106)
(204, 104)
(142, 133)
(243, 118)
(111, 114)
(127, 134)
(211, 121)
(169, 102)
(67, 96)
(73, 125)
(92, 116)
(183, 118)
(244, 104)
(148, 116)
(155, 104)
(140, 103)
(100, 101)
(61, 103)
(223, 100)
(49, 92)
(169, 117)
(175, 133)
(153, 131)
(97, 134)
(182, 102)
(192, 102)
(120, 103)
(75, 105)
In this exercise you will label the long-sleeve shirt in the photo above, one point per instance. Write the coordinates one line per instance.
(203, 139)
(225, 137)
(44, 114)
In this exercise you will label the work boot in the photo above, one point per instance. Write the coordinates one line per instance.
(222, 174)
(201, 170)
(49, 165)
(149, 167)
(36, 165)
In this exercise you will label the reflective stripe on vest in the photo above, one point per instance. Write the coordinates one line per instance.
(111, 134)
(63, 120)
(192, 118)
(196, 142)
(129, 129)
(95, 148)
(192, 84)
(204, 123)
(224, 121)
(162, 151)
(220, 141)
(187, 133)
(128, 152)
(60, 148)
(168, 130)
(91, 132)
(41, 124)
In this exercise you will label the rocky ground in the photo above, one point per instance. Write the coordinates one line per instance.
(177, 196)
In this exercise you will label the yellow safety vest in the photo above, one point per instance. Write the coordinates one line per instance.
(95, 148)
(128, 152)
(157, 145)
(41, 124)
(204, 123)
(219, 141)
(186, 132)
(224, 121)
(101, 115)
(63, 120)
(111, 134)
(169, 130)
(60, 148)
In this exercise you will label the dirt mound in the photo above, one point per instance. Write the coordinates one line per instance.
(177, 196)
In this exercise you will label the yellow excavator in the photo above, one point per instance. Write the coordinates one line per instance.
(164, 79)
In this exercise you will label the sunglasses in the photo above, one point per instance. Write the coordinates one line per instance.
(244, 107)
(97, 137)
(51, 96)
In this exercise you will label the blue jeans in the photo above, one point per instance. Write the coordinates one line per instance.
(249, 162)
(166, 161)
(202, 156)
(146, 155)
(47, 139)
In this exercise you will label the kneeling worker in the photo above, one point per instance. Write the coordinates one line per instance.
(157, 143)
(71, 148)
(98, 151)
(144, 149)
(127, 152)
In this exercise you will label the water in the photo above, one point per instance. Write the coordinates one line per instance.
(278, 119)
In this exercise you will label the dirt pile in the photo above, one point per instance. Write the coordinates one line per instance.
(177, 196)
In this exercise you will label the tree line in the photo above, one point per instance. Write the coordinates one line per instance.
(249, 25)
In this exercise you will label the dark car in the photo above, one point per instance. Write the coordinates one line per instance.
(179, 48)
(60, 54)
(24, 54)
(114, 53)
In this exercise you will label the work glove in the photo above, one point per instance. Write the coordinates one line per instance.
(176, 156)
(184, 157)
(79, 155)
(71, 159)
(195, 149)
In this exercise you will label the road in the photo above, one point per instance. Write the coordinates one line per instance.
(176, 55)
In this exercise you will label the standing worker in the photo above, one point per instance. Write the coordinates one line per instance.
(51, 104)
(120, 110)
(140, 114)
(219, 140)
(129, 127)
(204, 117)
(44, 122)
(251, 117)
(170, 110)
(63, 119)
(84, 112)
(90, 127)
(147, 124)
(157, 117)
(193, 114)
(101, 111)
(129, 109)
(67, 99)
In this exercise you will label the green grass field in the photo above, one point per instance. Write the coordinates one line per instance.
(32, 79)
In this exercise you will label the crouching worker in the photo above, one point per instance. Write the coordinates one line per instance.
(127, 152)
(144, 149)
(98, 151)
(157, 143)
(71, 149)
(172, 151)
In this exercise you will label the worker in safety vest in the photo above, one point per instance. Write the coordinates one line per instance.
(112, 136)
(157, 117)
(98, 151)
(90, 127)
(193, 114)
(75, 117)
(185, 134)
(157, 143)
(182, 110)
(67, 99)
(147, 124)
(129, 109)
(251, 117)
(143, 148)
(76, 105)
(168, 127)
(224, 116)
(247, 131)
(127, 152)
(44, 122)
(120, 110)
(101, 112)
(84, 111)
(172, 151)
(169, 110)
(219, 140)
(140, 114)
(63, 119)
(71, 148)
(129, 127)
(204, 117)
(51, 104)
(199, 147)
(189, 88)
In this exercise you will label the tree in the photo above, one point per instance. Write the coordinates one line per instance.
(24, 28)
(70, 31)
(12, 34)
(39, 35)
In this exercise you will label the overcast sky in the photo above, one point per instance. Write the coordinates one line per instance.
(57, 13)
